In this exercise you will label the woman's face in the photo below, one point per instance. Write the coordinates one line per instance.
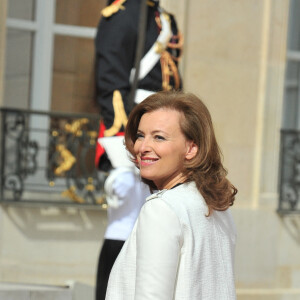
(161, 148)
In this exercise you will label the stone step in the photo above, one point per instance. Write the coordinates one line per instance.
(23, 291)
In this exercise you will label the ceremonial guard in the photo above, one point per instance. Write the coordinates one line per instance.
(116, 46)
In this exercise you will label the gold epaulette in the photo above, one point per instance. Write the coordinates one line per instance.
(150, 3)
(120, 115)
(113, 8)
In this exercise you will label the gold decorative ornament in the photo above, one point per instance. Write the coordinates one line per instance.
(92, 134)
(90, 187)
(101, 200)
(104, 206)
(68, 160)
(75, 127)
(71, 193)
(54, 133)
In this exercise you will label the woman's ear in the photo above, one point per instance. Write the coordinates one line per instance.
(192, 150)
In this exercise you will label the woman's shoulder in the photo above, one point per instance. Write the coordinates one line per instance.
(183, 197)
(186, 191)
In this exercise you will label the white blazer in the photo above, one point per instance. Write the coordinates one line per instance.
(176, 252)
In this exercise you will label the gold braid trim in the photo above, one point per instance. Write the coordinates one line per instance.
(177, 46)
(120, 115)
(168, 68)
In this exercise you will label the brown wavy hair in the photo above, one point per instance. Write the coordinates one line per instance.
(206, 168)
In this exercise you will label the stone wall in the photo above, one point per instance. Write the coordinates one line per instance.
(235, 61)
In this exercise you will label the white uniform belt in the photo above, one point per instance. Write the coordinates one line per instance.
(141, 95)
(152, 56)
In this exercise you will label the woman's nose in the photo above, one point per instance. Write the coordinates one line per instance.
(145, 145)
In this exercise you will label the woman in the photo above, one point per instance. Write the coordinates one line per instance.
(182, 245)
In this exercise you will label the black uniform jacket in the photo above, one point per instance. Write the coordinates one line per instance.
(115, 46)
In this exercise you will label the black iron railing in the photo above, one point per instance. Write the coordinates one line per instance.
(48, 158)
(289, 183)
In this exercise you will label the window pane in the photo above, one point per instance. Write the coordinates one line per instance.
(291, 115)
(294, 26)
(292, 71)
(79, 12)
(290, 118)
(21, 9)
(18, 59)
(73, 75)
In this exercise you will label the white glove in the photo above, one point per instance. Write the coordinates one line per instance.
(117, 186)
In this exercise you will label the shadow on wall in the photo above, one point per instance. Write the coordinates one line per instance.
(292, 225)
(53, 223)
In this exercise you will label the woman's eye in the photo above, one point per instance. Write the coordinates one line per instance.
(159, 137)
(139, 136)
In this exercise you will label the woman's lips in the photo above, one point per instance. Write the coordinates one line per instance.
(146, 161)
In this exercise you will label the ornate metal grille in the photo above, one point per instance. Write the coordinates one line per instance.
(289, 184)
(49, 158)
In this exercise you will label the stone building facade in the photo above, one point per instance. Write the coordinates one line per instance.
(235, 58)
